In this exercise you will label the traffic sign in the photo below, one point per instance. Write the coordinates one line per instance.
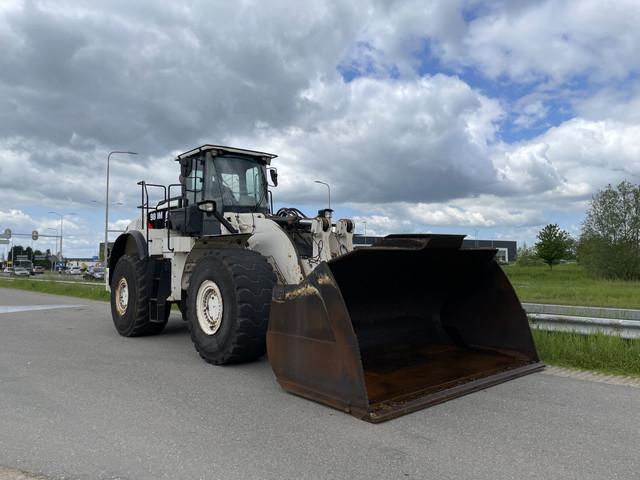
(22, 257)
(40, 257)
(34, 235)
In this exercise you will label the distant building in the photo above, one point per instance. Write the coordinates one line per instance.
(507, 249)
(80, 262)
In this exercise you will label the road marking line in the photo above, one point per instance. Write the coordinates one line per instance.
(30, 308)
(593, 376)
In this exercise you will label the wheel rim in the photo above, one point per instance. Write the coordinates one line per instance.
(122, 296)
(209, 307)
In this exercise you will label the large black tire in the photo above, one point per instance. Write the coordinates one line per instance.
(132, 319)
(244, 279)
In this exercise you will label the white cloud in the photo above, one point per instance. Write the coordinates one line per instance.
(616, 102)
(524, 41)
(551, 176)
(529, 112)
(485, 211)
(79, 236)
(406, 151)
(389, 140)
(576, 158)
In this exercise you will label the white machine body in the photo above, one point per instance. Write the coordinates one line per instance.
(257, 233)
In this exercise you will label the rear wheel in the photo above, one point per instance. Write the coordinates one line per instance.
(227, 305)
(130, 287)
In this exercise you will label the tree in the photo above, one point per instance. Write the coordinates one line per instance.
(553, 244)
(527, 256)
(16, 250)
(610, 240)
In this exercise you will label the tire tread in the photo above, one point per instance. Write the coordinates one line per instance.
(142, 325)
(253, 280)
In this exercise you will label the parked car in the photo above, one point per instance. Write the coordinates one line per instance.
(21, 272)
(95, 273)
(74, 271)
(38, 269)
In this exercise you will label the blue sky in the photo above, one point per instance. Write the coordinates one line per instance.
(456, 116)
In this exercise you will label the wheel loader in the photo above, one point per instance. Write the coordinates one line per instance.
(380, 331)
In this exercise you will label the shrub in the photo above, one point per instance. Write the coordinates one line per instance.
(610, 241)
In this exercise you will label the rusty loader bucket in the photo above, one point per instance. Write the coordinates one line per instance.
(405, 324)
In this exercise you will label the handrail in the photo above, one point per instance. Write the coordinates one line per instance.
(144, 206)
(169, 212)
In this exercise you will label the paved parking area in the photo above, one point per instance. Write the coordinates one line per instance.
(79, 402)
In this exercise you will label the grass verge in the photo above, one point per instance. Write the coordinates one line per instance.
(600, 353)
(90, 292)
(569, 285)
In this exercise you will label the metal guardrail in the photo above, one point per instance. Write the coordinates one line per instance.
(601, 312)
(621, 322)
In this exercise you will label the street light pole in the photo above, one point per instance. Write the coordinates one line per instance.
(61, 227)
(106, 214)
(328, 189)
(365, 232)
(56, 252)
(61, 216)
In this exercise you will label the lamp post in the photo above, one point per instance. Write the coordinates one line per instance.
(56, 252)
(328, 189)
(61, 227)
(106, 215)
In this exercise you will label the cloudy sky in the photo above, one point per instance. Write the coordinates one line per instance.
(492, 117)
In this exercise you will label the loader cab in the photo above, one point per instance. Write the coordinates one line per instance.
(217, 180)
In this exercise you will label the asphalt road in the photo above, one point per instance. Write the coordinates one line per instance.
(79, 402)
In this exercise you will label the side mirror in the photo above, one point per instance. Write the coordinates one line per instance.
(208, 206)
(186, 166)
(273, 173)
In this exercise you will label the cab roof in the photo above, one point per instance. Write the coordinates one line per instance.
(265, 157)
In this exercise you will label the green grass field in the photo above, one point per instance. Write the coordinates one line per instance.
(598, 352)
(90, 292)
(569, 285)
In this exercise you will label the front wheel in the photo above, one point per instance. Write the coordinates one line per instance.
(227, 305)
(130, 287)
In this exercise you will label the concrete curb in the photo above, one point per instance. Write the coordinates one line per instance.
(593, 376)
